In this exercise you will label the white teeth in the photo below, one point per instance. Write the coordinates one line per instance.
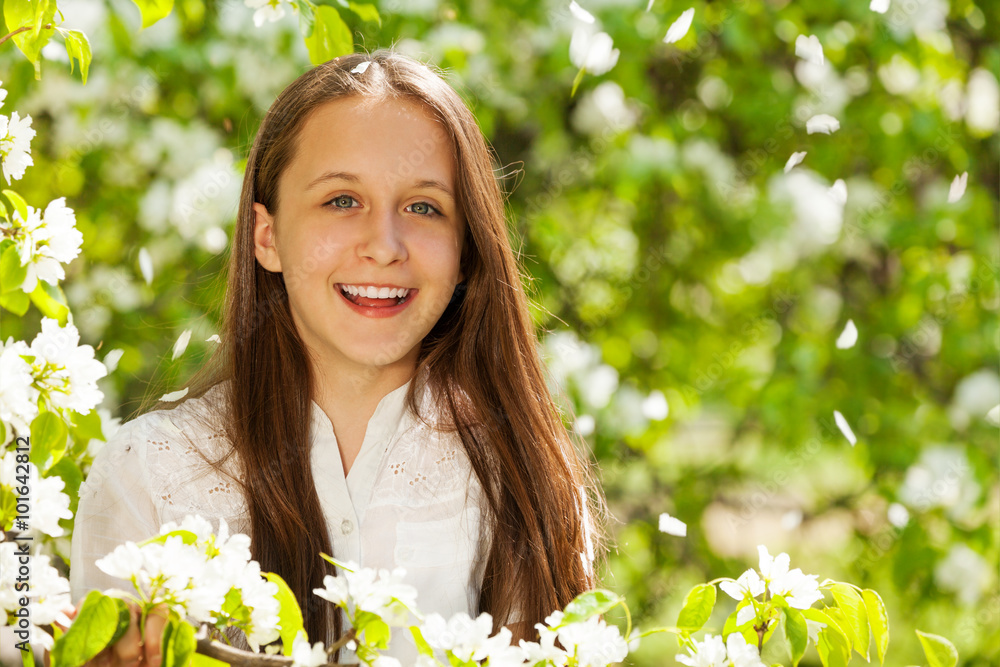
(375, 292)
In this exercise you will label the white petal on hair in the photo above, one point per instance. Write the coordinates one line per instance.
(680, 27)
(172, 396)
(957, 188)
(146, 265)
(214, 338)
(809, 49)
(844, 427)
(880, 6)
(672, 525)
(361, 67)
(181, 344)
(796, 158)
(839, 191)
(580, 13)
(822, 123)
(112, 358)
(848, 337)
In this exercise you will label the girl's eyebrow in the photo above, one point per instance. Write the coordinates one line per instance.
(352, 178)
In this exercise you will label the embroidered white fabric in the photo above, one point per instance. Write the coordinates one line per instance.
(410, 500)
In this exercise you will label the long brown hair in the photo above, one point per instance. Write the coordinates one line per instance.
(542, 503)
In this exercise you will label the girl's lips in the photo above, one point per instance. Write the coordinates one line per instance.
(377, 312)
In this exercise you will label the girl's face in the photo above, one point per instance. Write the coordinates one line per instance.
(367, 202)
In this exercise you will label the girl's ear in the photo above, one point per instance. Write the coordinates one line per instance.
(263, 239)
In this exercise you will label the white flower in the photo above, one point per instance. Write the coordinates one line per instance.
(848, 337)
(798, 589)
(267, 10)
(710, 652)
(844, 427)
(740, 653)
(813, 628)
(305, 656)
(112, 358)
(594, 642)
(680, 27)
(580, 13)
(146, 265)
(66, 373)
(125, 562)
(50, 503)
(380, 592)
(464, 636)
(18, 395)
(838, 191)
(880, 6)
(957, 188)
(822, 123)
(545, 649)
(749, 585)
(45, 241)
(15, 145)
(796, 158)
(672, 525)
(181, 344)
(592, 52)
(809, 49)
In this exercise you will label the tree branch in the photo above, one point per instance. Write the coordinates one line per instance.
(240, 658)
(24, 28)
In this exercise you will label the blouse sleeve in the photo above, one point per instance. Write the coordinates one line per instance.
(116, 506)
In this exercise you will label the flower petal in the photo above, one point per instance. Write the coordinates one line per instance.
(809, 49)
(796, 158)
(844, 427)
(672, 525)
(823, 123)
(680, 27)
(957, 188)
(848, 337)
(880, 6)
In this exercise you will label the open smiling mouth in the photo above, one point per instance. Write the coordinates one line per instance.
(359, 297)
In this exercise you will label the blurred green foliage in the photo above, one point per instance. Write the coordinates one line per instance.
(664, 244)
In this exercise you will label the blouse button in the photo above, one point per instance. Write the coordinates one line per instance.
(346, 527)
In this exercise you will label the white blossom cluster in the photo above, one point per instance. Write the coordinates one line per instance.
(48, 595)
(48, 502)
(194, 578)
(380, 592)
(55, 370)
(712, 652)
(800, 590)
(45, 241)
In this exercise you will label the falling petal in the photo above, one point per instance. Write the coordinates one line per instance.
(844, 427)
(172, 396)
(680, 27)
(880, 6)
(181, 344)
(655, 406)
(112, 358)
(214, 338)
(672, 526)
(146, 265)
(848, 337)
(745, 615)
(795, 159)
(809, 49)
(649, 5)
(958, 187)
(822, 123)
(361, 67)
(839, 191)
(580, 13)
(993, 416)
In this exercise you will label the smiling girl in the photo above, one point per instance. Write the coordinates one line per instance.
(378, 393)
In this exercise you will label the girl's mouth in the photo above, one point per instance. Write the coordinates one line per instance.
(376, 307)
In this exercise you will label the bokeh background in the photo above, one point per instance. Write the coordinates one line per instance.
(688, 293)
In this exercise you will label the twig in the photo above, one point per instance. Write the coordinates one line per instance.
(24, 28)
(240, 658)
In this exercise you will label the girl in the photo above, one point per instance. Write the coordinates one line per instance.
(378, 393)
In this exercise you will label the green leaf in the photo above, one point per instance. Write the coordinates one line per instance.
(852, 606)
(86, 427)
(365, 12)
(797, 633)
(307, 17)
(178, 643)
(697, 609)
(290, 615)
(124, 616)
(330, 36)
(51, 301)
(590, 604)
(34, 13)
(15, 302)
(153, 10)
(78, 49)
(376, 633)
(832, 644)
(8, 508)
(12, 274)
(48, 440)
(939, 651)
(71, 475)
(16, 200)
(199, 660)
(418, 638)
(94, 627)
(878, 620)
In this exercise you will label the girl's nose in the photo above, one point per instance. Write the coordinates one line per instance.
(383, 241)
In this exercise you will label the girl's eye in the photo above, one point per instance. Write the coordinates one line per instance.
(341, 201)
(423, 208)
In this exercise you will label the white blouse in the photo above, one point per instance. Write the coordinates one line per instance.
(410, 500)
